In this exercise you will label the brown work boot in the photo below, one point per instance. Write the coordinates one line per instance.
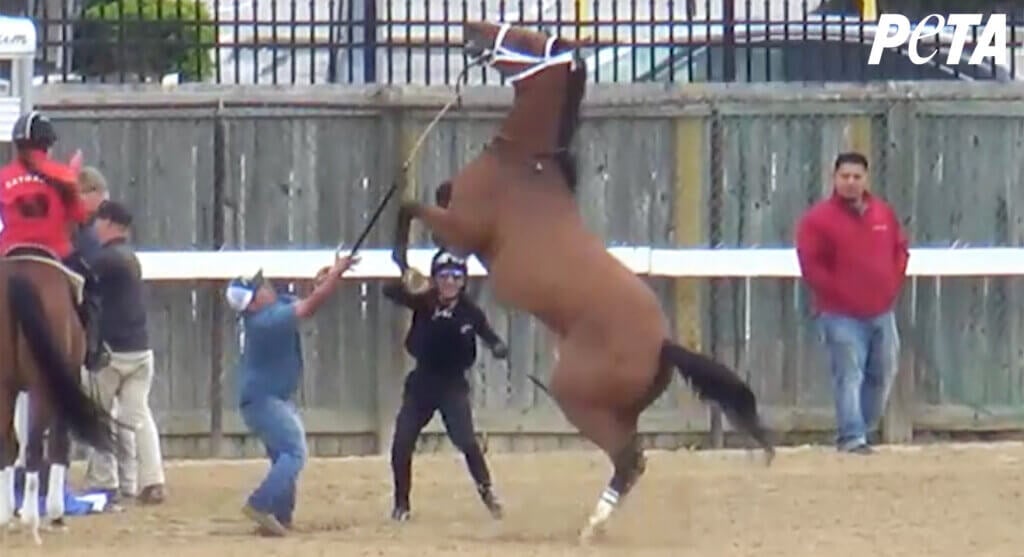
(152, 495)
(266, 532)
(269, 526)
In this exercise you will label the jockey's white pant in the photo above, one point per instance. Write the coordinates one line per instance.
(127, 381)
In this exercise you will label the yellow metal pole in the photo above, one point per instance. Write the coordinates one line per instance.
(688, 215)
(582, 14)
(869, 10)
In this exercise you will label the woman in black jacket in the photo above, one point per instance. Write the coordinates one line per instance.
(442, 339)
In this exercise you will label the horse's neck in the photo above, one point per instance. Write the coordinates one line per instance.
(533, 121)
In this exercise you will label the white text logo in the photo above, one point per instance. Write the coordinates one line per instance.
(990, 43)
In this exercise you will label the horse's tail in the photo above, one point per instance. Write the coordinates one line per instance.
(83, 416)
(714, 381)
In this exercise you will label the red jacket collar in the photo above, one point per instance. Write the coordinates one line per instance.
(844, 204)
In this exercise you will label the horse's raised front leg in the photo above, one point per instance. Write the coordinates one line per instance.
(401, 246)
(447, 226)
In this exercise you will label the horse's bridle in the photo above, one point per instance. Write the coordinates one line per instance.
(501, 53)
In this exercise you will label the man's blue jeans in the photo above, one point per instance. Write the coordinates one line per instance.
(276, 422)
(863, 355)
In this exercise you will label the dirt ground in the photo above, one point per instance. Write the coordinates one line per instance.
(938, 500)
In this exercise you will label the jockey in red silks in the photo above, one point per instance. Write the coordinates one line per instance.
(40, 206)
(39, 201)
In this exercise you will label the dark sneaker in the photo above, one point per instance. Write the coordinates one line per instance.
(262, 531)
(862, 449)
(491, 501)
(152, 495)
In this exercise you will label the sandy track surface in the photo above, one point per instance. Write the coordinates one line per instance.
(931, 501)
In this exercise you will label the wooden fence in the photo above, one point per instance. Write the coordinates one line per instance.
(205, 168)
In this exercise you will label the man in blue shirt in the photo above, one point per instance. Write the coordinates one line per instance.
(269, 374)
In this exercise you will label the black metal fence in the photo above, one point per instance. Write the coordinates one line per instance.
(418, 41)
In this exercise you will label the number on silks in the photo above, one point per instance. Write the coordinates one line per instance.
(33, 206)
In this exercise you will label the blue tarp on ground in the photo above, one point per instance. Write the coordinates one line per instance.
(74, 504)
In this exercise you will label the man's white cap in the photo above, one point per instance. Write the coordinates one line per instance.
(241, 291)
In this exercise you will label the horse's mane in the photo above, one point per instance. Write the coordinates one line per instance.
(565, 157)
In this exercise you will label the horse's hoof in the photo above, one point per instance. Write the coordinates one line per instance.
(769, 456)
(590, 534)
(415, 282)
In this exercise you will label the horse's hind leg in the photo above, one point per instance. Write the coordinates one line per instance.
(60, 457)
(629, 464)
(8, 454)
(616, 434)
(33, 464)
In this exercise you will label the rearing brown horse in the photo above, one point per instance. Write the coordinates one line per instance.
(514, 208)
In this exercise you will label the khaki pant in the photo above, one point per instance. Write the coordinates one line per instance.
(128, 463)
(128, 380)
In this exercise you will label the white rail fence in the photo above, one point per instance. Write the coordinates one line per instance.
(642, 260)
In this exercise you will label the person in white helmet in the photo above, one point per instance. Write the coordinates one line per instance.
(442, 339)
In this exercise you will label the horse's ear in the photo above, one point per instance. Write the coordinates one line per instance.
(563, 44)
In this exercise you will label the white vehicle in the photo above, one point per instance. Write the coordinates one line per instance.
(17, 59)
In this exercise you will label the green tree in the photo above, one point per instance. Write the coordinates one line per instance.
(146, 37)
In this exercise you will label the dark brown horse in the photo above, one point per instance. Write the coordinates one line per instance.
(514, 208)
(42, 348)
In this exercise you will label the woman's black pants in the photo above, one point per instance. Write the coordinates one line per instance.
(423, 394)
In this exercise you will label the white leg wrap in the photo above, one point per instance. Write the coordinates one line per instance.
(605, 506)
(30, 505)
(6, 495)
(55, 492)
(21, 427)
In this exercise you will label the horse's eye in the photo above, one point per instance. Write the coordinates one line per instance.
(475, 48)
(475, 43)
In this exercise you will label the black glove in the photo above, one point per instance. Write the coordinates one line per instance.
(499, 350)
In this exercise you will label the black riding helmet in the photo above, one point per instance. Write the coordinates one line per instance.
(33, 131)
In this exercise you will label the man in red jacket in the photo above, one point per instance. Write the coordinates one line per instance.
(853, 256)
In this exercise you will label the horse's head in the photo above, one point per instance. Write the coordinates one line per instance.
(516, 52)
(520, 54)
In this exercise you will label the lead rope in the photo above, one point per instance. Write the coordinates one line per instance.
(497, 53)
(456, 100)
